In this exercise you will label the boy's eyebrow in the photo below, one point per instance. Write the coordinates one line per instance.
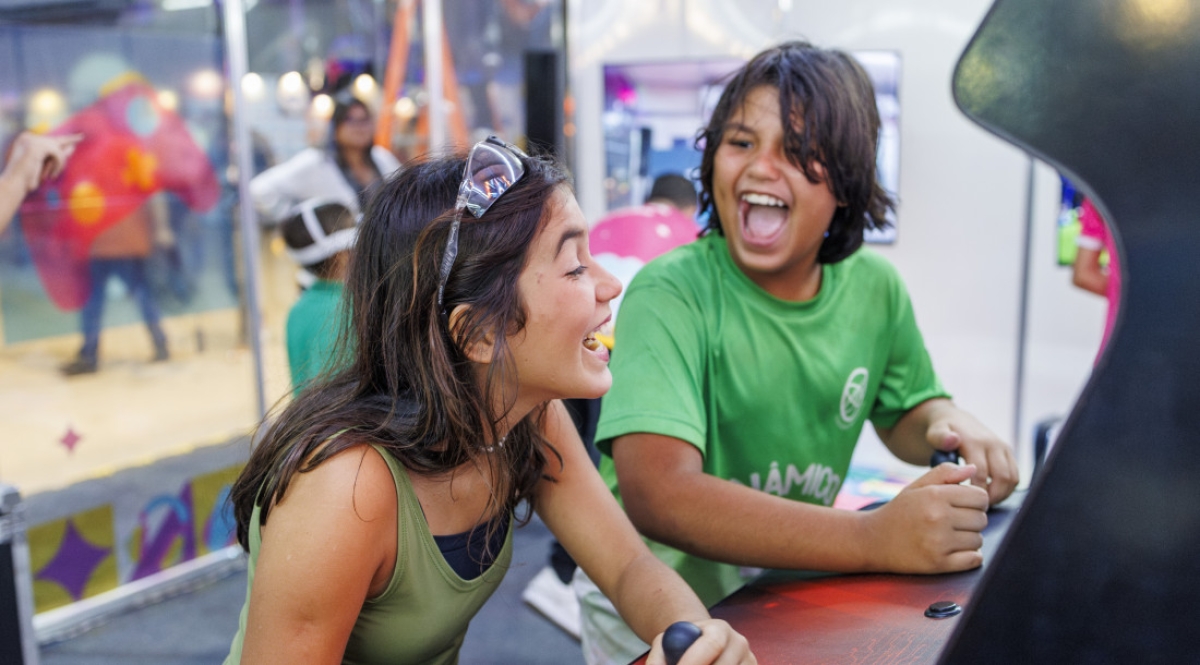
(569, 234)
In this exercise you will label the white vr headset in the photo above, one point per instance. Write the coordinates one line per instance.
(324, 245)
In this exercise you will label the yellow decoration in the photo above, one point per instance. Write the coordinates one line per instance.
(86, 203)
(120, 81)
(140, 169)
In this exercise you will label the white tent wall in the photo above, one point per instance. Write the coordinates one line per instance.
(963, 192)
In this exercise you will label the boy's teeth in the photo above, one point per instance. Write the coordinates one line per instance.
(592, 344)
(762, 200)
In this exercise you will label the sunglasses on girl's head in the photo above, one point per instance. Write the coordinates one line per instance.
(492, 167)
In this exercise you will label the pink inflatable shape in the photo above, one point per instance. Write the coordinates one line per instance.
(132, 147)
(643, 232)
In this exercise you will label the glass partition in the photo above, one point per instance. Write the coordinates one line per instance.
(128, 382)
(307, 56)
(122, 331)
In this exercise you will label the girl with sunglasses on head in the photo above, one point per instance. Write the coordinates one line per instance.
(378, 507)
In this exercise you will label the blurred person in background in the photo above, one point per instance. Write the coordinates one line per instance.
(1092, 274)
(347, 170)
(320, 238)
(121, 251)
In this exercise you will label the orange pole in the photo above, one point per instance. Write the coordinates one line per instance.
(422, 129)
(394, 73)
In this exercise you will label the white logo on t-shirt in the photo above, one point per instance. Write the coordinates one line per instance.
(818, 481)
(852, 397)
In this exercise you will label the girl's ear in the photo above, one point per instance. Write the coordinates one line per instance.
(479, 351)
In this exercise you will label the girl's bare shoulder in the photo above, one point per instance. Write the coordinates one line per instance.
(353, 482)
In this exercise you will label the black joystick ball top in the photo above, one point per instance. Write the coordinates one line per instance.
(677, 638)
(942, 456)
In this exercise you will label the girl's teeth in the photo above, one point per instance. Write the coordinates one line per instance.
(592, 344)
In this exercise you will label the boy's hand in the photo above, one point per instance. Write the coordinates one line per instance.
(933, 526)
(993, 459)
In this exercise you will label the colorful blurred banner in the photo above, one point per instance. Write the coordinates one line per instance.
(132, 148)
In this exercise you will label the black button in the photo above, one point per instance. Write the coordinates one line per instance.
(942, 456)
(943, 609)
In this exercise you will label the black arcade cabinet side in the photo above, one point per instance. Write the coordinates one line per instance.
(1102, 564)
(18, 644)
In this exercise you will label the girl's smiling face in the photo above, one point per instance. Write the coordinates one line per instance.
(566, 296)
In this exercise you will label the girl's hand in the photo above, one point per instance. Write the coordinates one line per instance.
(718, 644)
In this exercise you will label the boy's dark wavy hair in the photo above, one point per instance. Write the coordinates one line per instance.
(835, 123)
(406, 384)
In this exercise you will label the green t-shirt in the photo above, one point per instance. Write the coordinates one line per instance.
(312, 329)
(422, 615)
(773, 393)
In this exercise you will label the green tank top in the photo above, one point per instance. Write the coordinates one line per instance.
(421, 617)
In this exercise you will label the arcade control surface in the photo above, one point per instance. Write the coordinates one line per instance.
(795, 617)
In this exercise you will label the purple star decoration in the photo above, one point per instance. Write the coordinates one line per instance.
(70, 439)
(74, 562)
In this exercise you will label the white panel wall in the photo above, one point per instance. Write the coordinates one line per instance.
(1065, 323)
(963, 192)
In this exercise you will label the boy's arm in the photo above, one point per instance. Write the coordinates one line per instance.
(932, 526)
(937, 424)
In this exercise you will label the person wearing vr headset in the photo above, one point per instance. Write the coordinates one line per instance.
(319, 237)
(378, 507)
(348, 169)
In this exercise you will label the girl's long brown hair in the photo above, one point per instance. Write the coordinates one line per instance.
(406, 384)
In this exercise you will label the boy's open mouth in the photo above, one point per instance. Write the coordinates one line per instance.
(763, 218)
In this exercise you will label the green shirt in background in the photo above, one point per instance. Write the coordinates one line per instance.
(313, 325)
(773, 393)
